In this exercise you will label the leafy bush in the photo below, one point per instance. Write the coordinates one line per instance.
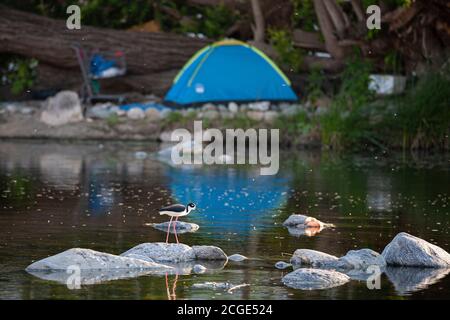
(304, 14)
(346, 123)
(18, 72)
(288, 55)
(422, 117)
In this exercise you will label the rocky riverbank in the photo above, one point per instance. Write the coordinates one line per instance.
(62, 117)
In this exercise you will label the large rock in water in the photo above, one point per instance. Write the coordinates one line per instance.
(313, 258)
(361, 259)
(313, 279)
(409, 251)
(209, 253)
(64, 107)
(87, 259)
(163, 252)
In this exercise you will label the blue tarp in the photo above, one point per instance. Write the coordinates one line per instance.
(230, 70)
(143, 106)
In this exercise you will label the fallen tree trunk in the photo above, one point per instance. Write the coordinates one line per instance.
(48, 40)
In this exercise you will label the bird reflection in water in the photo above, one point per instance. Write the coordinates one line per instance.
(173, 295)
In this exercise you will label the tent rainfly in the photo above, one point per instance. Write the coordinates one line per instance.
(229, 70)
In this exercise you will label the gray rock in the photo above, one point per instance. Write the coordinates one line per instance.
(260, 105)
(209, 253)
(180, 226)
(411, 279)
(166, 136)
(410, 251)
(270, 116)
(198, 268)
(163, 252)
(213, 285)
(211, 114)
(87, 259)
(233, 107)
(165, 113)
(209, 107)
(288, 110)
(294, 220)
(313, 258)
(282, 265)
(152, 114)
(302, 221)
(361, 259)
(237, 257)
(314, 279)
(101, 111)
(135, 114)
(64, 107)
(255, 115)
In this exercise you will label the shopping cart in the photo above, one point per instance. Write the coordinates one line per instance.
(96, 65)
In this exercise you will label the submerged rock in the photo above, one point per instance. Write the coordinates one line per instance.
(198, 268)
(313, 258)
(180, 226)
(282, 265)
(314, 279)
(410, 279)
(213, 285)
(237, 257)
(302, 221)
(410, 251)
(361, 259)
(87, 259)
(163, 252)
(209, 253)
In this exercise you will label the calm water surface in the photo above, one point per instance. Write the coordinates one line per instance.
(103, 196)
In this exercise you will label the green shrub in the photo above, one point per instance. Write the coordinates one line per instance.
(18, 72)
(288, 56)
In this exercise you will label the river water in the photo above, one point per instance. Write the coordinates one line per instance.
(104, 196)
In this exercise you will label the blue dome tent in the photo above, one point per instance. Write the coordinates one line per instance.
(229, 70)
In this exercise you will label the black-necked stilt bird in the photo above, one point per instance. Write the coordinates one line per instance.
(176, 210)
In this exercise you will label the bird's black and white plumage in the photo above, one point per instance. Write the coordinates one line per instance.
(177, 210)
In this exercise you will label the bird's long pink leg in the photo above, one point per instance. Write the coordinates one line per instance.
(174, 229)
(168, 230)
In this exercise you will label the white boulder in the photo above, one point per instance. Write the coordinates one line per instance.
(65, 107)
(410, 251)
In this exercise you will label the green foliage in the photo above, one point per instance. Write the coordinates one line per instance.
(346, 123)
(241, 121)
(116, 13)
(315, 84)
(304, 15)
(18, 72)
(288, 55)
(299, 123)
(113, 120)
(423, 113)
(212, 21)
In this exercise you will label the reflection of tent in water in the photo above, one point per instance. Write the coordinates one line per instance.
(232, 198)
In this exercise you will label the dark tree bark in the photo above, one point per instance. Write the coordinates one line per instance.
(148, 55)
